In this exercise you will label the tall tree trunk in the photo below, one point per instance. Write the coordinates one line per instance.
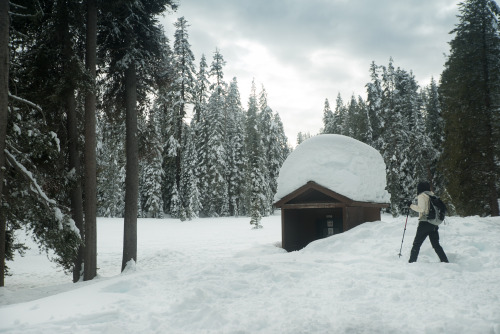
(90, 255)
(3, 239)
(4, 95)
(132, 169)
(73, 152)
(74, 163)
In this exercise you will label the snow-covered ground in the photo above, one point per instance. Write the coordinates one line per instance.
(220, 276)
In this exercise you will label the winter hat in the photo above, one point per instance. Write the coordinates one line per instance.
(423, 186)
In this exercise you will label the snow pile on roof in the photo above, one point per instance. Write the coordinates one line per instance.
(339, 163)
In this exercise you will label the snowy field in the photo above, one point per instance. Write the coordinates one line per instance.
(219, 276)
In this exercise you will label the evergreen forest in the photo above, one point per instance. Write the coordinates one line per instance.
(105, 113)
(447, 132)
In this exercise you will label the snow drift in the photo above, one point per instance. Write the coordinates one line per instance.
(339, 163)
(220, 276)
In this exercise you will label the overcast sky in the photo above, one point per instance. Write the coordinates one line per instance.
(304, 51)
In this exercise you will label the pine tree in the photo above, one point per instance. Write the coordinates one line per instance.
(339, 116)
(152, 174)
(171, 150)
(235, 148)
(201, 90)
(364, 131)
(163, 114)
(28, 199)
(133, 45)
(265, 126)
(275, 148)
(4, 94)
(111, 162)
(256, 195)
(301, 137)
(282, 140)
(328, 119)
(176, 208)
(410, 104)
(470, 92)
(54, 31)
(216, 201)
(351, 117)
(395, 141)
(374, 105)
(88, 254)
(277, 154)
(190, 194)
(182, 88)
(356, 122)
(434, 127)
(200, 127)
(64, 19)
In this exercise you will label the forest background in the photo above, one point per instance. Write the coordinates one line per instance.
(93, 123)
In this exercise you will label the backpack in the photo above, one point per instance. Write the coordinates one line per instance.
(437, 210)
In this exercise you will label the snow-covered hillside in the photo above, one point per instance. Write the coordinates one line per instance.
(220, 276)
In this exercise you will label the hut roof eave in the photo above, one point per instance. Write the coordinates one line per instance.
(334, 195)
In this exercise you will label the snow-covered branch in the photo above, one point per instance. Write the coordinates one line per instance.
(29, 103)
(22, 15)
(19, 99)
(35, 187)
(12, 4)
(48, 203)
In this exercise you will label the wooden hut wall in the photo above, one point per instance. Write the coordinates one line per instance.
(300, 226)
(357, 215)
(353, 217)
(372, 214)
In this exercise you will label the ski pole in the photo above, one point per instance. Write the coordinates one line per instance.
(403, 234)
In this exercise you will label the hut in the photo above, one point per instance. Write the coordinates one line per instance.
(328, 185)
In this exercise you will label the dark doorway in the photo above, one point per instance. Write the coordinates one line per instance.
(302, 226)
(331, 223)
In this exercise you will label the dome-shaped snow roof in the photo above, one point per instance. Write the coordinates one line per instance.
(342, 164)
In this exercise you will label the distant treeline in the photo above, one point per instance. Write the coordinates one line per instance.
(448, 132)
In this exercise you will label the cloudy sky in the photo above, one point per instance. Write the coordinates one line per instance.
(303, 51)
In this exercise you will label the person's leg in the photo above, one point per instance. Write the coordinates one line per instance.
(434, 238)
(417, 242)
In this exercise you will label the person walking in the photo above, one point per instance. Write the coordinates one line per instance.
(424, 227)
